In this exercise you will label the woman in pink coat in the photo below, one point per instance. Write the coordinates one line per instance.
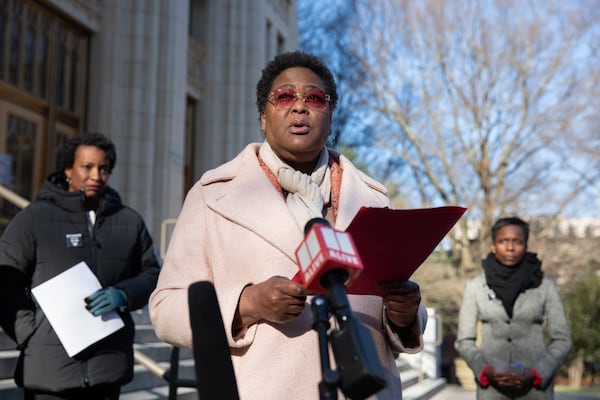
(241, 224)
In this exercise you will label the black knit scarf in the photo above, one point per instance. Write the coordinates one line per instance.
(508, 282)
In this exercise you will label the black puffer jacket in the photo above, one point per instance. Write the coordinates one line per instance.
(118, 249)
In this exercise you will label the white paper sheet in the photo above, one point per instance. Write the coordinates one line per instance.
(61, 300)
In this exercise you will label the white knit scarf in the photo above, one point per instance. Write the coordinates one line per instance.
(307, 194)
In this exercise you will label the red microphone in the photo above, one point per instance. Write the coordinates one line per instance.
(329, 261)
(325, 250)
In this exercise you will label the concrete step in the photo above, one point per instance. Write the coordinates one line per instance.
(8, 360)
(409, 377)
(144, 333)
(144, 379)
(160, 393)
(10, 391)
(160, 351)
(417, 385)
(402, 364)
(141, 316)
(423, 390)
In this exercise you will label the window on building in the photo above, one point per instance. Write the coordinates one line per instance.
(268, 46)
(43, 79)
(280, 44)
(190, 143)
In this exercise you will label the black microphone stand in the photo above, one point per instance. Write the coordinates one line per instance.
(327, 386)
(359, 373)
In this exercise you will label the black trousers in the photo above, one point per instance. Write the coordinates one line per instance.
(91, 393)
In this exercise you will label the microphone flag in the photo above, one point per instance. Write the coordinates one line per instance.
(324, 249)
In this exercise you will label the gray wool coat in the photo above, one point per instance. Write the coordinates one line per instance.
(520, 338)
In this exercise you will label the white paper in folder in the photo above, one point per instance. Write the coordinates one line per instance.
(61, 300)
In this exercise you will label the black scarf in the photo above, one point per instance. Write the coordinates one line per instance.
(508, 282)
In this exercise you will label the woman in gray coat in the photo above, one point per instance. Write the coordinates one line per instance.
(516, 306)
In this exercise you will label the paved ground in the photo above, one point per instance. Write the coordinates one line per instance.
(455, 392)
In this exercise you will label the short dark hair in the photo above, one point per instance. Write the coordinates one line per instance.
(502, 222)
(66, 155)
(288, 60)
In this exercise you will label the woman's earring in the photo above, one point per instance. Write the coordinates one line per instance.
(68, 180)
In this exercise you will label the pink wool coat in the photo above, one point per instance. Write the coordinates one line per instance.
(234, 230)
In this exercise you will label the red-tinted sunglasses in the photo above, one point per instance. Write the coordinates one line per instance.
(315, 99)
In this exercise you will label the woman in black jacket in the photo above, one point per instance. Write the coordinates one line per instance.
(76, 217)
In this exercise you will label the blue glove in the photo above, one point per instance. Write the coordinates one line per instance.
(105, 300)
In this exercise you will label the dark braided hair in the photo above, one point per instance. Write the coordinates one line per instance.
(288, 60)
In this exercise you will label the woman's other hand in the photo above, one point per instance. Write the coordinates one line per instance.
(402, 301)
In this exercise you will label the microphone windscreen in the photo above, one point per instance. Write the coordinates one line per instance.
(313, 221)
(215, 378)
(323, 250)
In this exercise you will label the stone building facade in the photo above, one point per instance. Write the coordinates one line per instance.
(171, 82)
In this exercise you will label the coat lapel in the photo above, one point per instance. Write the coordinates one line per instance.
(357, 190)
(263, 211)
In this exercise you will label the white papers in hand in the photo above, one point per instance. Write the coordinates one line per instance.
(61, 300)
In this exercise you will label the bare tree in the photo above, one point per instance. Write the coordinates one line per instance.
(492, 105)
(324, 29)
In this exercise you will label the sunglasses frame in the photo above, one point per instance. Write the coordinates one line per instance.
(297, 96)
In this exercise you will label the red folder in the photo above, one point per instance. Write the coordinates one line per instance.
(394, 243)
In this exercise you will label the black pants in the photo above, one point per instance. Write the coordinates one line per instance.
(91, 393)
